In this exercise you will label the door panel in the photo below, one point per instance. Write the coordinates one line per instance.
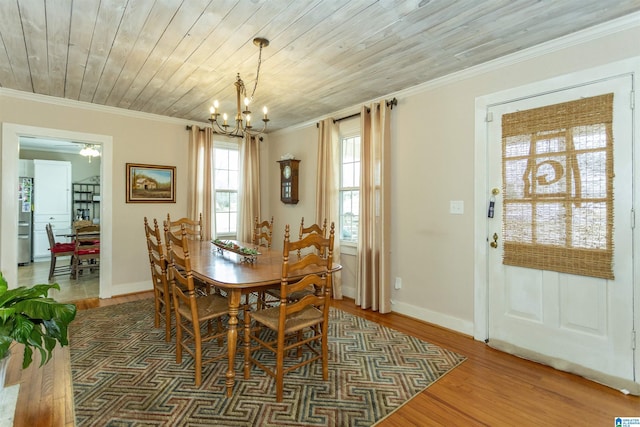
(583, 320)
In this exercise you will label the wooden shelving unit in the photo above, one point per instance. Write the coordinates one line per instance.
(85, 201)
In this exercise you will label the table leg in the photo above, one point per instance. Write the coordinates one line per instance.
(232, 337)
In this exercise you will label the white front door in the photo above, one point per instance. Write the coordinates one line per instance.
(583, 320)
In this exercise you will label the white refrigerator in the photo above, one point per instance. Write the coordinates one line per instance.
(25, 220)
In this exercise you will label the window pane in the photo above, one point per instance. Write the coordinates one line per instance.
(233, 180)
(222, 223)
(221, 179)
(221, 159)
(222, 201)
(348, 174)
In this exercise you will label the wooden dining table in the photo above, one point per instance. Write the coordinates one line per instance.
(238, 275)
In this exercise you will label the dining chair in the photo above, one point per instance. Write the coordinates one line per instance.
(318, 229)
(313, 228)
(263, 233)
(192, 311)
(192, 227)
(294, 325)
(158, 263)
(58, 250)
(194, 231)
(79, 223)
(87, 250)
(262, 236)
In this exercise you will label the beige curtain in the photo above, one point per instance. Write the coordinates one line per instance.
(200, 178)
(327, 188)
(373, 281)
(249, 194)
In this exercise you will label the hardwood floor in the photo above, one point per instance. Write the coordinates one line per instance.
(490, 388)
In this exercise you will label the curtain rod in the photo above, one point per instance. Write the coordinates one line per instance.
(390, 103)
(189, 127)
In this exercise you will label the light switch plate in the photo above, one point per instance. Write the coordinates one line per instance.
(456, 207)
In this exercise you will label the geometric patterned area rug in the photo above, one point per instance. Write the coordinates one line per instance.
(125, 374)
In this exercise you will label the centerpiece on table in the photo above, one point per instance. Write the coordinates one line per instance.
(249, 254)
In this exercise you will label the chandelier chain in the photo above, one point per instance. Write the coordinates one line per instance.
(255, 84)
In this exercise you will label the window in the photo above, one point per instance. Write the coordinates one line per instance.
(349, 188)
(226, 184)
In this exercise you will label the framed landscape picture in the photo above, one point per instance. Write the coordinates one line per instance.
(151, 183)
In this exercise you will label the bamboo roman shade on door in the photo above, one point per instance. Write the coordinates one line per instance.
(557, 168)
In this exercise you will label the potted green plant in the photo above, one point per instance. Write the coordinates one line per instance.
(28, 316)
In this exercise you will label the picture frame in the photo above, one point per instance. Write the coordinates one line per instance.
(150, 183)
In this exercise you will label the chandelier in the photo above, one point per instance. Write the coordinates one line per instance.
(243, 120)
(89, 150)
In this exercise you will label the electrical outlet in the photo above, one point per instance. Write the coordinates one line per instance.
(398, 282)
(456, 207)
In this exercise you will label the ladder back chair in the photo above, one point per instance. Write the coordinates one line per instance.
(301, 324)
(262, 236)
(192, 227)
(159, 278)
(59, 250)
(192, 311)
(194, 231)
(313, 228)
(318, 229)
(263, 233)
(87, 250)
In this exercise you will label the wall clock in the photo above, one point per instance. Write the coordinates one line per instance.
(289, 181)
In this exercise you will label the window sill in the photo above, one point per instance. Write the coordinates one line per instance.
(348, 249)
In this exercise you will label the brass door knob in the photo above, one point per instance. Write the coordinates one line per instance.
(494, 244)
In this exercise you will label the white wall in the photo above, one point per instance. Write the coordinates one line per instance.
(433, 140)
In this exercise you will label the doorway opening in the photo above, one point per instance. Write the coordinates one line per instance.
(11, 137)
(39, 208)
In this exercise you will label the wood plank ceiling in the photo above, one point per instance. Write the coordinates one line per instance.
(174, 57)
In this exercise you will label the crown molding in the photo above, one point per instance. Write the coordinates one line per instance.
(64, 102)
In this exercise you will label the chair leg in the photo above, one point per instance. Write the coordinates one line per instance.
(280, 367)
(198, 353)
(52, 266)
(167, 317)
(74, 268)
(178, 338)
(247, 342)
(325, 353)
(156, 320)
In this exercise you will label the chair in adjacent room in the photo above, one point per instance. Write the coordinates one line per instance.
(59, 250)
(86, 256)
(301, 324)
(158, 263)
(79, 223)
(193, 311)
